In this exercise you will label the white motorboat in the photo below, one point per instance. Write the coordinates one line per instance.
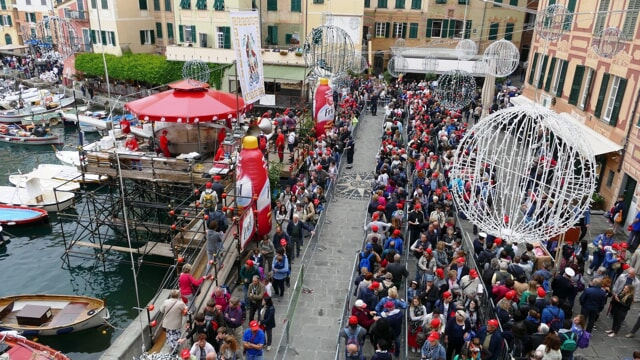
(33, 195)
(69, 158)
(55, 175)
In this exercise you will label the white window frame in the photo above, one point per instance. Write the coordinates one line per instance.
(188, 34)
(545, 100)
(98, 37)
(110, 39)
(220, 38)
(440, 28)
(5, 20)
(397, 30)
(147, 37)
(458, 34)
(612, 91)
(584, 89)
(556, 76)
(381, 29)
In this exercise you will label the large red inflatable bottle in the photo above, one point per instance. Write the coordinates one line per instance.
(252, 178)
(323, 108)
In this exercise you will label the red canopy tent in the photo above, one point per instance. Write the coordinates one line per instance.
(188, 102)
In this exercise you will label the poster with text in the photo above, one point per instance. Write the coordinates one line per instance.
(245, 36)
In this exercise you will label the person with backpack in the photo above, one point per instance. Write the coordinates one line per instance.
(353, 334)
(569, 343)
(368, 258)
(553, 315)
(209, 199)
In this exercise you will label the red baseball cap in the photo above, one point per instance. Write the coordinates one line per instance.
(460, 260)
(510, 295)
(434, 336)
(374, 228)
(283, 242)
(435, 323)
(493, 322)
(473, 273)
(396, 232)
(353, 320)
(541, 292)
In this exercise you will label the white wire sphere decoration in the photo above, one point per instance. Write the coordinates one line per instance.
(529, 163)
(466, 49)
(430, 63)
(195, 71)
(550, 23)
(455, 89)
(328, 50)
(359, 64)
(398, 47)
(501, 58)
(397, 66)
(608, 42)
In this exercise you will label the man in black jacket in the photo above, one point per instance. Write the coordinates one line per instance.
(592, 301)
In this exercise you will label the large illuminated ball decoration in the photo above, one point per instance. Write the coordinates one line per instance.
(523, 173)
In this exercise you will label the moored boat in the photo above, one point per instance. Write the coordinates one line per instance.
(57, 175)
(20, 215)
(43, 314)
(18, 347)
(14, 116)
(33, 195)
(15, 134)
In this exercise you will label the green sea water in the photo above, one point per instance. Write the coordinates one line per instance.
(33, 262)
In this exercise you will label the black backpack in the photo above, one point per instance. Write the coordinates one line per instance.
(518, 273)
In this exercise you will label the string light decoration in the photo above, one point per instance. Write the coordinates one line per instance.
(195, 72)
(430, 64)
(501, 58)
(608, 43)
(328, 50)
(58, 34)
(398, 47)
(466, 49)
(550, 23)
(397, 66)
(530, 170)
(455, 89)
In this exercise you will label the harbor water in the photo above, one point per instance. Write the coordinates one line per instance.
(33, 262)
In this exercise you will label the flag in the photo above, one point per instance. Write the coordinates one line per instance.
(245, 35)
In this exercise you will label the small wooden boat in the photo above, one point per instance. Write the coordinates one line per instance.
(14, 116)
(51, 314)
(15, 134)
(18, 347)
(48, 119)
(20, 215)
(89, 121)
(33, 195)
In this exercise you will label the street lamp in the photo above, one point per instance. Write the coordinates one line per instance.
(370, 53)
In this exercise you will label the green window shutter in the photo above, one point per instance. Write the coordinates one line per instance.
(156, 5)
(543, 70)
(113, 37)
(141, 37)
(382, 4)
(429, 27)
(153, 37)
(218, 5)
(367, 3)
(159, 30)
(416, 4)
(563, 74)
(568, 19)
(9, 21)
(93, 37)
(296, 5)
(513, 2)
(399, 4)
(387, 29)
(103, 36)
(547, 85)
(493, 31)
(617, 103)
(227, 36)
(167, 5)
(287, 38)
(441, 1)
(194, 34)
(3, 4)
(170, 31)
(94, 4)
(413, 31)
(463, 2)
(576, 85)
(445, 28)
(181, 33)
(201, 4)
(508, 31)
(105, 4)
(404, 30)
(496, 2)
(143, 4)
(603, 92)
(452, 29)
(1, 21)
(532, 72)
(272, 5)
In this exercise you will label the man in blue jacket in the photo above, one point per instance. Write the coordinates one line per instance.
(592, 301)
(395, 318)
(491, 340)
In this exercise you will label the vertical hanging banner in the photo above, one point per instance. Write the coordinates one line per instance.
(245, 34)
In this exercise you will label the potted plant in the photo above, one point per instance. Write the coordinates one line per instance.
(597, 201)
(284, 52)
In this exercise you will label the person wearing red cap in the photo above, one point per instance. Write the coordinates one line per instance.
(354, 335)
(432, 349)
(164, 144)
(281, 270)
(362, 313)
(491, 339)
(185, 354)
(247, 272)
(280, 143)
(253, 340)
(209, 198)
(461, 268)
(395, 241)
(395, 317)
(470, 284)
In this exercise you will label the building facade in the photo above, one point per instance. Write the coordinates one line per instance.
(583, 78)
(8, 24)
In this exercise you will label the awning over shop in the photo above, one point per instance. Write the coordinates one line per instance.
(280, 72)
(599, 143)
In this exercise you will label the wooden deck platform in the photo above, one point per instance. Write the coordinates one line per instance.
(150, 248)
